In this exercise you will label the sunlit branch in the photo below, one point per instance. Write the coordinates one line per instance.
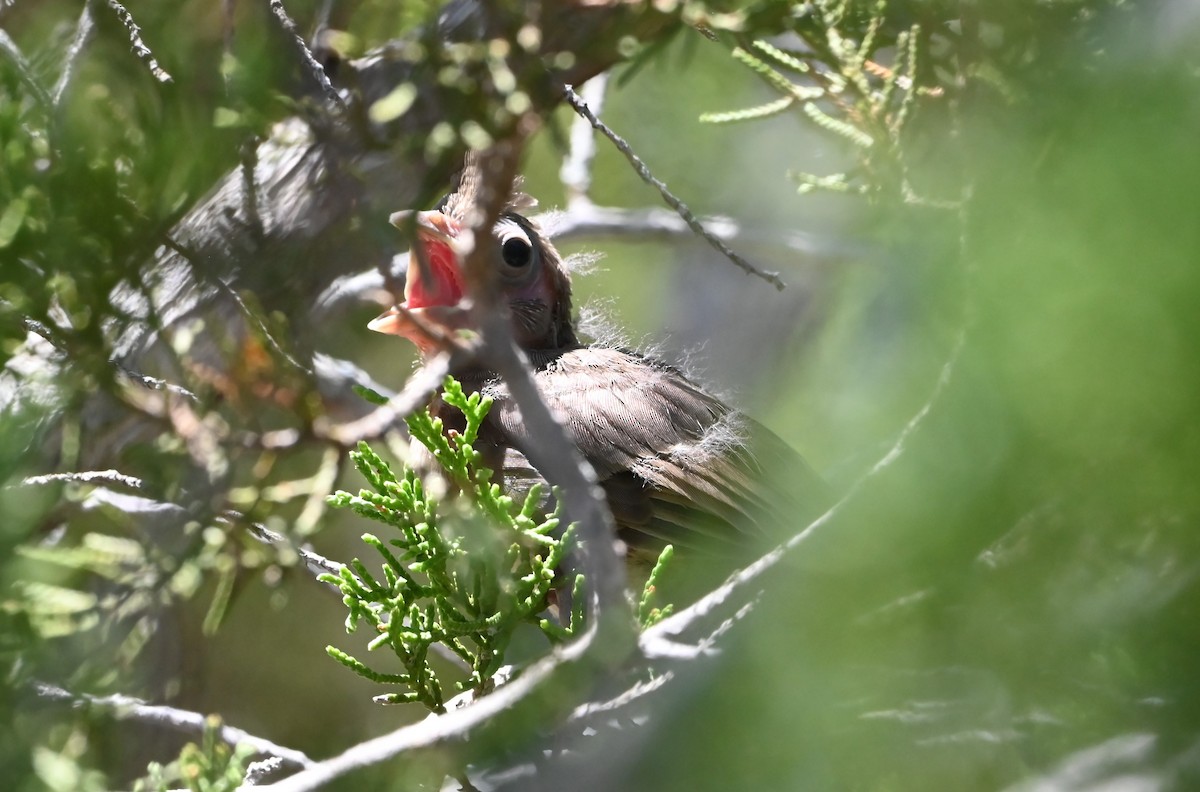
(679, 206)
(135, 40)
(314, 69)
(659, 640)
(10, 49)
(83, 33)
(190, 723)
(527, 691)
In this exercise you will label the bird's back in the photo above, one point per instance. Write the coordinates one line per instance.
(678, 465)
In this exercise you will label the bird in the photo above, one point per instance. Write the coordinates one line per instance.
(678, 465)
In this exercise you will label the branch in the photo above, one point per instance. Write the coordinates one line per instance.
(190, 723)
(639, 690)
(256, 319)
(10, 48)
(583, 502)
(576, 170)
(555, 456)
(314, 69)
(83, 33)
(249, 156)
(135, 40)
(316, 563)
(679, 206)
(585, 219)
(61, 345)
(420, 386)
(333, 231)
(85, 477)
(533, 694)
(658, 640)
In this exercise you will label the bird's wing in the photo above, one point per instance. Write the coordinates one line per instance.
(677, 464)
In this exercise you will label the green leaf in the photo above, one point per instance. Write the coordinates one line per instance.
(394, 105)
(11, 220)
(372, 396)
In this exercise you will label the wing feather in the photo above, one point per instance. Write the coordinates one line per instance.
(677, 464)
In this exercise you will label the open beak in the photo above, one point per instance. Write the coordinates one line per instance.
(431, 226)
(433, 287)
(392, 321)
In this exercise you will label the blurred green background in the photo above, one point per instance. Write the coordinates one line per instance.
(1012, 602)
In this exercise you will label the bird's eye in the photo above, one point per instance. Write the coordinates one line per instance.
(516, 252)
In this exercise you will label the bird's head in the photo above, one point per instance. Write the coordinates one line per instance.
(530, 273)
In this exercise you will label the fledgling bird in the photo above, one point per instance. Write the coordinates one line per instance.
(677, 464)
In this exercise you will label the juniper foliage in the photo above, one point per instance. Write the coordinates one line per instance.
(465, 577)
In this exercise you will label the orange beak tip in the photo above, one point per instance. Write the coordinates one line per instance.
(389, 322)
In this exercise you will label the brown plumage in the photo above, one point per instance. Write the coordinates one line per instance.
(677, 464)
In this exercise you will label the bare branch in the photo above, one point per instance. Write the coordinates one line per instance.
(585, 219)
(257, 772)
(191, 723)
(152, 383)
(672, 201)
(532, 691)
(315, 70)
(584, 503)
(135, 40)
(10, 48)
(85, 477)
(227, 30)
(420, 386)
(657, 641)
(83, 33)
(249, 157)
(639, 690)
(576, 171)
(323, 15)
(316, 563)
(261, 327)
(554, 456)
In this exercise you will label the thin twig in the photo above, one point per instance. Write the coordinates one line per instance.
(189, 254)
(192, 723)
(576, 170)
(135, 40)
(85, 477)
(249, 157)
(316, 563)
(554, 455)
(676, 204)
(156, 384)
(639, 690)
(585, 219)
(658, 641)
(261, 326)
(151, 383)
(306, 57)
(257, 772)
(10, 48)
(323, 14)
(32, 325)
(227, 31)
(423, 384)
(451, 727)
(83, 33)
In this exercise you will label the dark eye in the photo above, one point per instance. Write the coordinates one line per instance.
(516, 252)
